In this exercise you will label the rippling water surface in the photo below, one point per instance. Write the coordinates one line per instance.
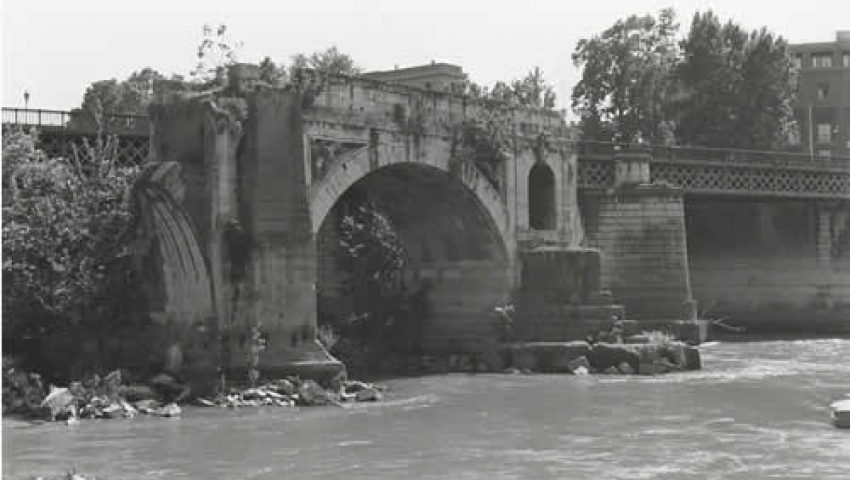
(756, 410)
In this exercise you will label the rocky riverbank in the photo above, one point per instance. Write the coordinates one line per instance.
(649, 353)
(96, 397)
(110, 396)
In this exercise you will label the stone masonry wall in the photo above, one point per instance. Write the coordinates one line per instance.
(771, 265)
(641, 233)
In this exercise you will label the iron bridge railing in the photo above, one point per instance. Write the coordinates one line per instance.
(58, 136)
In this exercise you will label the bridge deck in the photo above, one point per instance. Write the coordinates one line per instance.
(703, 171)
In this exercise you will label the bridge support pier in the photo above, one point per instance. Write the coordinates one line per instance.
(640, 229)
(245, 191)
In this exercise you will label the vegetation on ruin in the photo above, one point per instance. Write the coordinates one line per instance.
(65, 265)
(482, 139)
(719, 86)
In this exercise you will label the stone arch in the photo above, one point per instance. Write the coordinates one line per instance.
(342, 175)
(168, 248)
(541, 198)
(453, 228)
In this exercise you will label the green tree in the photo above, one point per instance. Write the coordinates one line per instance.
(374, 257)
(530, 91)
(626, 79)
(329, 62)
(63, 222)
(111, 105)
(737, 88)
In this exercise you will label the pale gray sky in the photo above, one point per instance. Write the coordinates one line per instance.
(55, 49)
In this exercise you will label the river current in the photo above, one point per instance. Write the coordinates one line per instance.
(756, 410)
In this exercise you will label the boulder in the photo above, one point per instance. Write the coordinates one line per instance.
(147, 406)
(170, 387)
(370, 394)
(625, 369)
(283, 386)
(840, 412)
(170, 410)
(128, 410)
(548, 356)
(60, 401)
(646, 368)
(134, 393)
(523, 358)
(692, 358)
(311, 393)
(675, 352)
(254, 394)
(113, 410)
(578, 362)
(606, 355)
(656, 366)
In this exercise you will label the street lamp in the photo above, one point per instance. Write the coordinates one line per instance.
(26, 99)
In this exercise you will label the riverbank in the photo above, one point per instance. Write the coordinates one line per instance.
(755, 410)
(110, 396)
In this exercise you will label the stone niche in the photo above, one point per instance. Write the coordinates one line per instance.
(559, 296)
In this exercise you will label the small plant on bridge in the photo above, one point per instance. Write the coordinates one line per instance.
(480, 140)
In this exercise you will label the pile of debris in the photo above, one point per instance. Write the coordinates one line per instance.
(111, 397)
(292, 391)
(106, 397)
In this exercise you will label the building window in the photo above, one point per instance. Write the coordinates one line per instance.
(821, 59)
(824, 133)
(845, 59)
(823, 91)
(541, 198)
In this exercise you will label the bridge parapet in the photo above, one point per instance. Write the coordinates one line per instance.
(355, 103)
(724, 172)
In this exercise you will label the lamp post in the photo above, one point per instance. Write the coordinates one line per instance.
(26, 99)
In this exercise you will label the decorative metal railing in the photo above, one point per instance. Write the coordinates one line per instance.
(708, 171)
(131, 149)
(58, 137)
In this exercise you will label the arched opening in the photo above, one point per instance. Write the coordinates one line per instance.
(454, 268)
(541, 198)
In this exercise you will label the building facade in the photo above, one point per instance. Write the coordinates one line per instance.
(823, 100)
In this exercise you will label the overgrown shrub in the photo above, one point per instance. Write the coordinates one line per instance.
(64, 261)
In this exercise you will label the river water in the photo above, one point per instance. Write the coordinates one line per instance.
(756, 410)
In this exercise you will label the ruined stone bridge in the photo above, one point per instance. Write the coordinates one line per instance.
(247, 185)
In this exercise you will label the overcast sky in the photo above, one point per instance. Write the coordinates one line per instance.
(55, 49)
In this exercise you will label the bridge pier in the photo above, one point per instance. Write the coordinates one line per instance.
(640, 229)
(245, 192)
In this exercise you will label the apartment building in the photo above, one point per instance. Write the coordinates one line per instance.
(823, 99)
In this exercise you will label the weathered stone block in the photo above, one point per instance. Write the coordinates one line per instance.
(569, 274)
(605, 355)
(625, 369)
(693, 360)
(548, 356)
